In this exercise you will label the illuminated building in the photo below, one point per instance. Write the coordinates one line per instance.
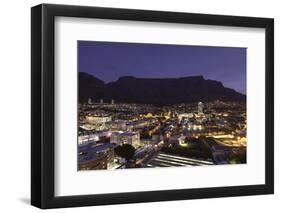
(112, 101)
(89, 101)
(97, 122)
(98, 157)
(185, 115)
(101, 101)
(200, 108)
(116, 125)
(121, 138)
(95, 163)
(87, 137)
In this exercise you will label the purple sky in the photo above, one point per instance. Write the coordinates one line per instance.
(110, 60)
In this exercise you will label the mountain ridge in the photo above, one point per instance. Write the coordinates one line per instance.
(130, 89)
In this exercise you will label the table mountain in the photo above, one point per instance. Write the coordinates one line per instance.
(129, 89)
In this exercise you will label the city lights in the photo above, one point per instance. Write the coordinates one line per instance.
(190, 134)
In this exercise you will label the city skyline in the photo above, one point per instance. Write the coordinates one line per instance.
(224, 64)
(156, 105)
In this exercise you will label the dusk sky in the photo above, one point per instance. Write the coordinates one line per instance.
(110, 60)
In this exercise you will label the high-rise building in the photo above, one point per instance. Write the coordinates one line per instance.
(89, 101)
(101, 101)
(200, 108)
(112, 101)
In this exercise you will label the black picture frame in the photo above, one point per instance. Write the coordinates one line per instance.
(43, 111)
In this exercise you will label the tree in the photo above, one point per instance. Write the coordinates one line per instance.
(126, 151)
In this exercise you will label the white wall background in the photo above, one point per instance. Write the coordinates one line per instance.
(15, 105)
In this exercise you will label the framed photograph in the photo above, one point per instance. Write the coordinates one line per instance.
(139, 106)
